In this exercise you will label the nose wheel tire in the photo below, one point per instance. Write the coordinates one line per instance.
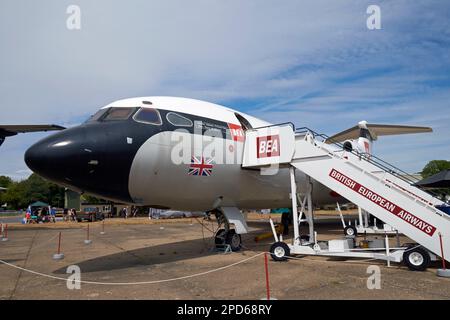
(280, 251)
(417, 259)
(350, 231)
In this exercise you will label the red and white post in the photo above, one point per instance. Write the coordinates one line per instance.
(5, 232)
(58, 255)
(87, 240)
(103, 227)
(444, 272)
(266, 269)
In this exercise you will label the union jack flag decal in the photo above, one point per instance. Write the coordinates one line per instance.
(201, 166)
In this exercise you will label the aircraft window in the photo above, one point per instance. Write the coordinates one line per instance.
(178, 120)
(244, 123)
(118, 114)
(97, 115)
(148, 115)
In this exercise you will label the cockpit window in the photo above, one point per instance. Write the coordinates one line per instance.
(115, 114)
(244, 122)
(148, 115)
(97, 115)
(178, 120)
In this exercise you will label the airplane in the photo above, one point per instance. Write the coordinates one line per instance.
(12, 130)
(156, 152)
(361, 137)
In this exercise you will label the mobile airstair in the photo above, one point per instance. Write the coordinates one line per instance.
(370, 183)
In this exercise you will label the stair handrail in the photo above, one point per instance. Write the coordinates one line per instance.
(374, 160)
(275, 125)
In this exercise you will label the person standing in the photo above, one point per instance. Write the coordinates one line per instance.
(52, 213)
(74, 215)
(28, 215)
(285, 221)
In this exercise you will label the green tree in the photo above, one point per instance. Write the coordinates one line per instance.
(5, 182)
(20, 194)
(87, 198)
(435, 166)
(14, 196)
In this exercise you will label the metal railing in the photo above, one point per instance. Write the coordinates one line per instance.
(275, 125)
(372, 159)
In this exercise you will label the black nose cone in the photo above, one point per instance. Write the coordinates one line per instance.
(49, 157)
(92, 159)
(34, 157)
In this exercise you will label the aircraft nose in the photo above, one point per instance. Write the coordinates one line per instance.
(53, 156)
(34, 157)
(95, 159)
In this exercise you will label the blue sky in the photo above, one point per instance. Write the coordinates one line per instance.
(314, 63)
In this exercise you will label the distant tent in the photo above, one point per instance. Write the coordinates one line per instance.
(438, 180)
(39, 204)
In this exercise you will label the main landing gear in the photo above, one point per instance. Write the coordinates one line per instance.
(230, 238)
(227, 238)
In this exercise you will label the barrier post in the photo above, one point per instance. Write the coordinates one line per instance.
(59, 243)
(5, 236)
(444, 272)
(103, 227)
(266, 265)
(388, 254)
(58, 255)
(442, 251)
(87, 241)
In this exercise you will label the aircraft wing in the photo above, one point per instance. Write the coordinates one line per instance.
(387, 130)
(377, 130)
(10, 130)
(351, 133)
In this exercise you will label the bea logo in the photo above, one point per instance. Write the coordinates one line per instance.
(236, 132)
(268, 146)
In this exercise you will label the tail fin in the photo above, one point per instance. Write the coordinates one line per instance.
(376, 130)
(361, 136)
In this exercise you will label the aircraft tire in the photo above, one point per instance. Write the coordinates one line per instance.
(234, 240)
(417, 259)
(220, 237)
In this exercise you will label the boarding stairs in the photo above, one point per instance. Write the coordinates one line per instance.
(367, 181)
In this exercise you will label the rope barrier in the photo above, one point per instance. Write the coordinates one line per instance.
(134, 283)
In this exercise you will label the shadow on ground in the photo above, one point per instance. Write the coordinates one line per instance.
(176, 251)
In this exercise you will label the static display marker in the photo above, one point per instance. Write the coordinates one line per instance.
(383, 203)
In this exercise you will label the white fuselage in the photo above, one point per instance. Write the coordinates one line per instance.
(144, 150)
